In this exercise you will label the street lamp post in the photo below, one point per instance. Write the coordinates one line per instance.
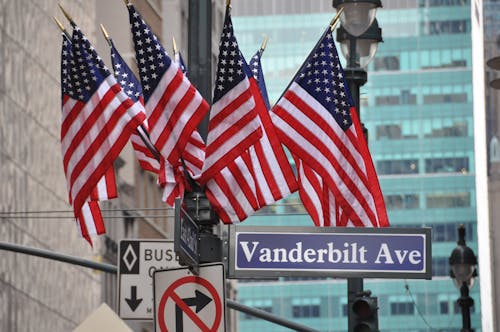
(463, 263)
(359, 36)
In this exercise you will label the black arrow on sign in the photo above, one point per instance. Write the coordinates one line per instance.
(133, 302)
(199, 300)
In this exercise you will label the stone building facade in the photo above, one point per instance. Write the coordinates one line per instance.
(38, 294)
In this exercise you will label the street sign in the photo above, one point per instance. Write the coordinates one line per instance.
(138, 260)
(186, 235)
(187, 302)
(262, 252)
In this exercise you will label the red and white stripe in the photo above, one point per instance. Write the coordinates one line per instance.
(317, 199)
(173, 182)
(90, 221)
(93, 135)
(273, 173)
(340, 158)
(174, 109)
(233, 192)
(194, 155)
(105, 188)
(142, 152)
(234, 126)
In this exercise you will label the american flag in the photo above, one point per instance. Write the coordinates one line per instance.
(273, 173)
(171, 179)
(317, 122)
(106, 187)
(245, 175)
(173, 106)
(194, 155)
(97, 120)
(89, 219)
(140, 140)
(234, 123)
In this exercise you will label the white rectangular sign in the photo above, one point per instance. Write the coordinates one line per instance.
(188, 302)
(138, 260)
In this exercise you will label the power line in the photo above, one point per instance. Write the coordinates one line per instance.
(72, 217)
(120, 210)
(71, 211)
(408, 291)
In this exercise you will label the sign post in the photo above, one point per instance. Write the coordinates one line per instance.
(187, 302)
(138, 260)
(262, 252)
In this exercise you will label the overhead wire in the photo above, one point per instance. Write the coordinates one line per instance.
(107, 213)
(419, 312)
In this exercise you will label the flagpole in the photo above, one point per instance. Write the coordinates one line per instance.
(331, 27)
(174, 46)
(264, 45)
(61, 27)
(66, 14)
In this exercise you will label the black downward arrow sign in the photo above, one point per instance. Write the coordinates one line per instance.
(199, 300)
(133, 302)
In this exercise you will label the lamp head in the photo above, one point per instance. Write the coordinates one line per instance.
(463, 262)
(358, 15)
(366, 44)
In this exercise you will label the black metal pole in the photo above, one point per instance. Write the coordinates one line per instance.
(200, 51)
(465, 302)
(59, 257)
(355, 77)
(268, 316)
(200, 74)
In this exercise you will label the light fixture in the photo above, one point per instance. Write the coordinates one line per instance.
(365, 45)
(463, 262)
(358, 15)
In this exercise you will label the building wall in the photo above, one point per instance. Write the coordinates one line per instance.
(38, 294)
(492, 49)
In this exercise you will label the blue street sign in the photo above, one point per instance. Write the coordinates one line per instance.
(186, 234)
(337, 252)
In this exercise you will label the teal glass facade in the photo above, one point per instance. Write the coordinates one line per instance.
(417, 106)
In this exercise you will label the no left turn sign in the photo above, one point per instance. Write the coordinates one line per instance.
(186, 302)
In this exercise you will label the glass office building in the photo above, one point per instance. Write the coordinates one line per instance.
(417, 106)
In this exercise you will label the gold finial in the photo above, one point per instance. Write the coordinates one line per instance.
(106, 35)
(61, 27)
(264, 44)
(336, 19)
(68, 16)
(127, 2)
(174, 45)
(59, 24)
(228, 3)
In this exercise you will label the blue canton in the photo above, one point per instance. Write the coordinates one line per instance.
(322, 77)
(125, 76)
(257, 73)
(65, 61)
(85, 74)
(181, 63)
(230, 64)
(152, 59)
